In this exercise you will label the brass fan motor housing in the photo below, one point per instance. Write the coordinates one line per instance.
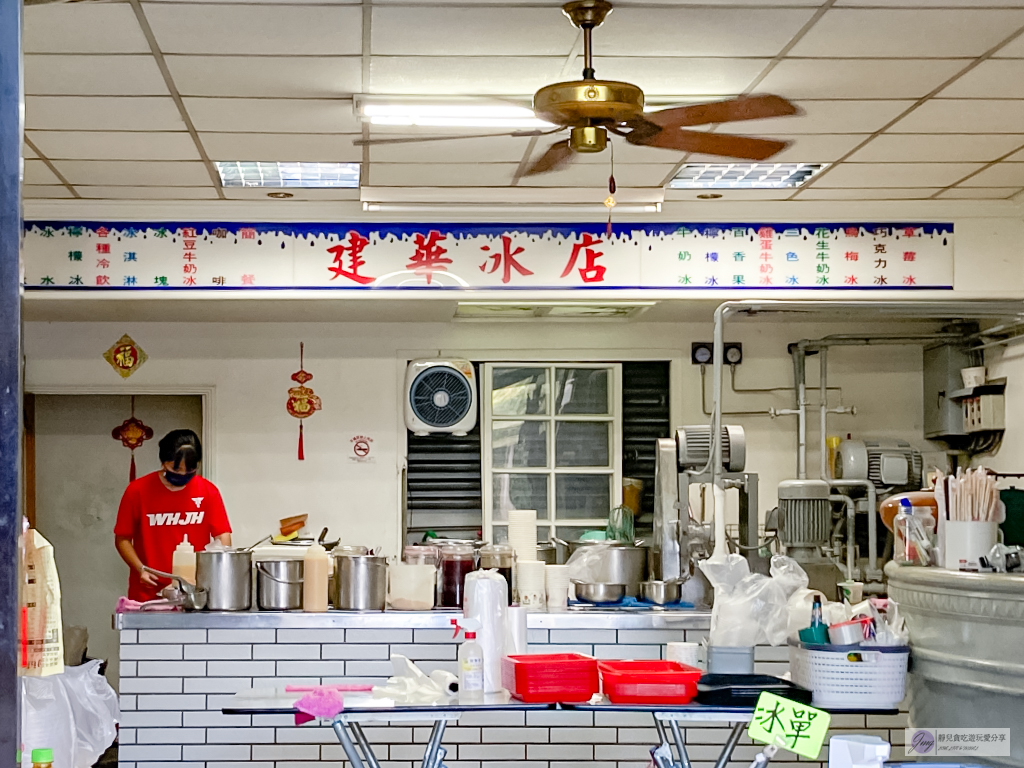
(583, 102)
(588, 138)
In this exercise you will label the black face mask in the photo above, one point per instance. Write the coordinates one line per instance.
(178, 480)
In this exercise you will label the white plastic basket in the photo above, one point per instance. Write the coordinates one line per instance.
(850, 677)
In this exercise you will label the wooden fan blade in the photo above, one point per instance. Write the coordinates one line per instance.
(557, 157)
(420, 139)
(743, 108)
(723, 144)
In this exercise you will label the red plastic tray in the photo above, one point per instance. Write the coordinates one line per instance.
(648, 682)
(550, 678)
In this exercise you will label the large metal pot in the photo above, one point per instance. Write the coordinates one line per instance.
(621, 563)
(360, 582)
(226, 576)
(279, 585)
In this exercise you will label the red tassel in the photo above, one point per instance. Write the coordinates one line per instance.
(608, 229)
(302, 453)
(131, 473)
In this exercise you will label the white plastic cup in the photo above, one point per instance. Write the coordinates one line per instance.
(851, 591)
(556, 584)
(684, 653)
(973, 377)
(967, 541)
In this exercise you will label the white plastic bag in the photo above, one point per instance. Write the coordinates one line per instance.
(74, 714)
(587, 563)
(788, 574)
(749, 608)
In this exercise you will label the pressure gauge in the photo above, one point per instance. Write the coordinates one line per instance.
(733, 354)
(700, 353)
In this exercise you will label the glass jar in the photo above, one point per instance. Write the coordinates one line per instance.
(421, 554)
(457, 560)
(501, 558)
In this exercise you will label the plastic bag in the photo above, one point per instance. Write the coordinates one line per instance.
(750, 608)
(788, 574)
(74, 713)
(587, 563)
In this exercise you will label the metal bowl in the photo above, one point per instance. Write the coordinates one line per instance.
(600, 594)
(661, 592)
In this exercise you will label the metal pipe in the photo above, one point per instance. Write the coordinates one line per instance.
(823, 396)
(851, 525)
(800, 392)
(588, 56)
(872, 516)
(346, 743)
(730, 745)
(703, 401)
(677, 734)
(364, 745)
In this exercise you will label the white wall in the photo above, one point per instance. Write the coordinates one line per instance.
(358, 371)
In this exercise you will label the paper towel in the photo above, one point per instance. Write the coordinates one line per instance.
(516, 635)
(486, 600)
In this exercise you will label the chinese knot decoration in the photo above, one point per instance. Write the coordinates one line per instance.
(125, 356)
(132, 433)
(302, 401)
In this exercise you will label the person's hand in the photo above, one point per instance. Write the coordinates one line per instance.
(148, 579)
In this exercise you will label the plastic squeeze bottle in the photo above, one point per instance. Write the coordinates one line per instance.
(42, 758)
(471, 663)
(314, 579)
(184, 562)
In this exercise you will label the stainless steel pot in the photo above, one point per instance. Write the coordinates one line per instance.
(547, 552)
(279, 585)
(227, 578)
(620, 563)
(360, 582)
(661, 592)
(599, 594)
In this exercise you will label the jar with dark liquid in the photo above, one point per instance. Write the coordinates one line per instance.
(500, 557)
(456, 561)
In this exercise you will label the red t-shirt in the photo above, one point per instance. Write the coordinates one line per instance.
(157, 520)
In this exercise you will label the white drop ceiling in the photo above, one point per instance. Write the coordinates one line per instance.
(133, 100)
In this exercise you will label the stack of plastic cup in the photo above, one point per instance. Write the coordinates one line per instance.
(522, 533)
(556, 584)
(530, 584)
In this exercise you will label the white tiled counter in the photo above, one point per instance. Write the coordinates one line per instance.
(178, 670)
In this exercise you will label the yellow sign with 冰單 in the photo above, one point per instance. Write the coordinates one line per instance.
(789, 725)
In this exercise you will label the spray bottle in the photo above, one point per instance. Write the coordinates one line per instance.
(471, 662)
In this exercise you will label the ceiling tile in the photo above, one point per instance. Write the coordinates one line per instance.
(1014, 49)
(995, 78)
(872, 193)
(964, 116)
(1016, 157)
(26, 151)
(641, 174)
(979, 193)
(964, 4)
(461, 76)
(587, 175)
(696, 31)
(820, 148)
(296, 30)
(272, 115)
(115, 145)
(180, 173)
(102, 113)
(999, 175)
(305, 77)
(283, 147)
(945, 147)
(147, 193)
(503, 149)
(442, 175)
(728, 195)
(125, 75)
(83, 28)
(42, 192)
(825, 117)
(469, 31)
(895, 175)
(670, 76)
(907, 33)
(858, 78)
(37, 172)
(241, 193)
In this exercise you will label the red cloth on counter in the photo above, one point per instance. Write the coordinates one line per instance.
(157, 520)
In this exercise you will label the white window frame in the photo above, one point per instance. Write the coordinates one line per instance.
(613, 417)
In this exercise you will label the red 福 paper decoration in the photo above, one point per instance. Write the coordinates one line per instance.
(132, 433)
(302, 401)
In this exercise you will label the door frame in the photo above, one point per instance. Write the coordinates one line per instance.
(207, 394)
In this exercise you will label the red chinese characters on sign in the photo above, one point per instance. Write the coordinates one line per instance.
(506, 259)
(591, 271)
(352, 253)
(102, 232)
(188, 232)
(429, 257)
(852, 231)
(247, 233)
(910, 255)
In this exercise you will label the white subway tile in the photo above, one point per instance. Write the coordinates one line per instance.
(172, 668)
(172, 635)
(493, 718)
(281, 682)
(215, 720)
(707, 735)
(423, 652)
(151, 685)
(218, 652)
(490, 752)
(246, 764)
(286, 752)
(129, 636)
(150, 720)
(434, 636)
(621, 752)
(273, 721)
(127, 703)
(369, 668)
(308, 734)
(356, 652)
(152, 652)
(901, 720)
(696, 635)
(537, 637)
(240, 668)
(215, 702)
(515, 764)
(462, 763)
(647, 736)
(627, 651)
(409, 752)
(387, 636)
(386, 734)
(312, 668)
(456, 735)
(243, 636)
(574, 764)
(427, 666)
(624, 719)
(318, 636)
(148, 752)
(560, 751)
(127, 668)
(286, 651)
(239, 735)
(514, 735)
(126, 736)
(174, 764)
(548, 717)
(847, 721)
(650, 636)
(173, 702)
(216, 752)
(587, 650)
(170, 736)
(586, 636)
(583, 736)
(218, 684)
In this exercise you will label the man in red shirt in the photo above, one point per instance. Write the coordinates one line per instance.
(159, 509)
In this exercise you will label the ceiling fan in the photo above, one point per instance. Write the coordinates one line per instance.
(591, 109)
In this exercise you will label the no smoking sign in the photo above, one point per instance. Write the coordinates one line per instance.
(362, 447)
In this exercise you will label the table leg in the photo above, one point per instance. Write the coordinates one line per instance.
(364, 745)
(684, 759)
(346, 743)
(730, 745)
(430, 754)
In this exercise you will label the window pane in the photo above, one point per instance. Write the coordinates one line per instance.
(583, 496)
(582, 444)
(519, 492)
(582, 390)
(519, 444)
(519, 391)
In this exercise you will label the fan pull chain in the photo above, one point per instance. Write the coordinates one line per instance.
(610, 200)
